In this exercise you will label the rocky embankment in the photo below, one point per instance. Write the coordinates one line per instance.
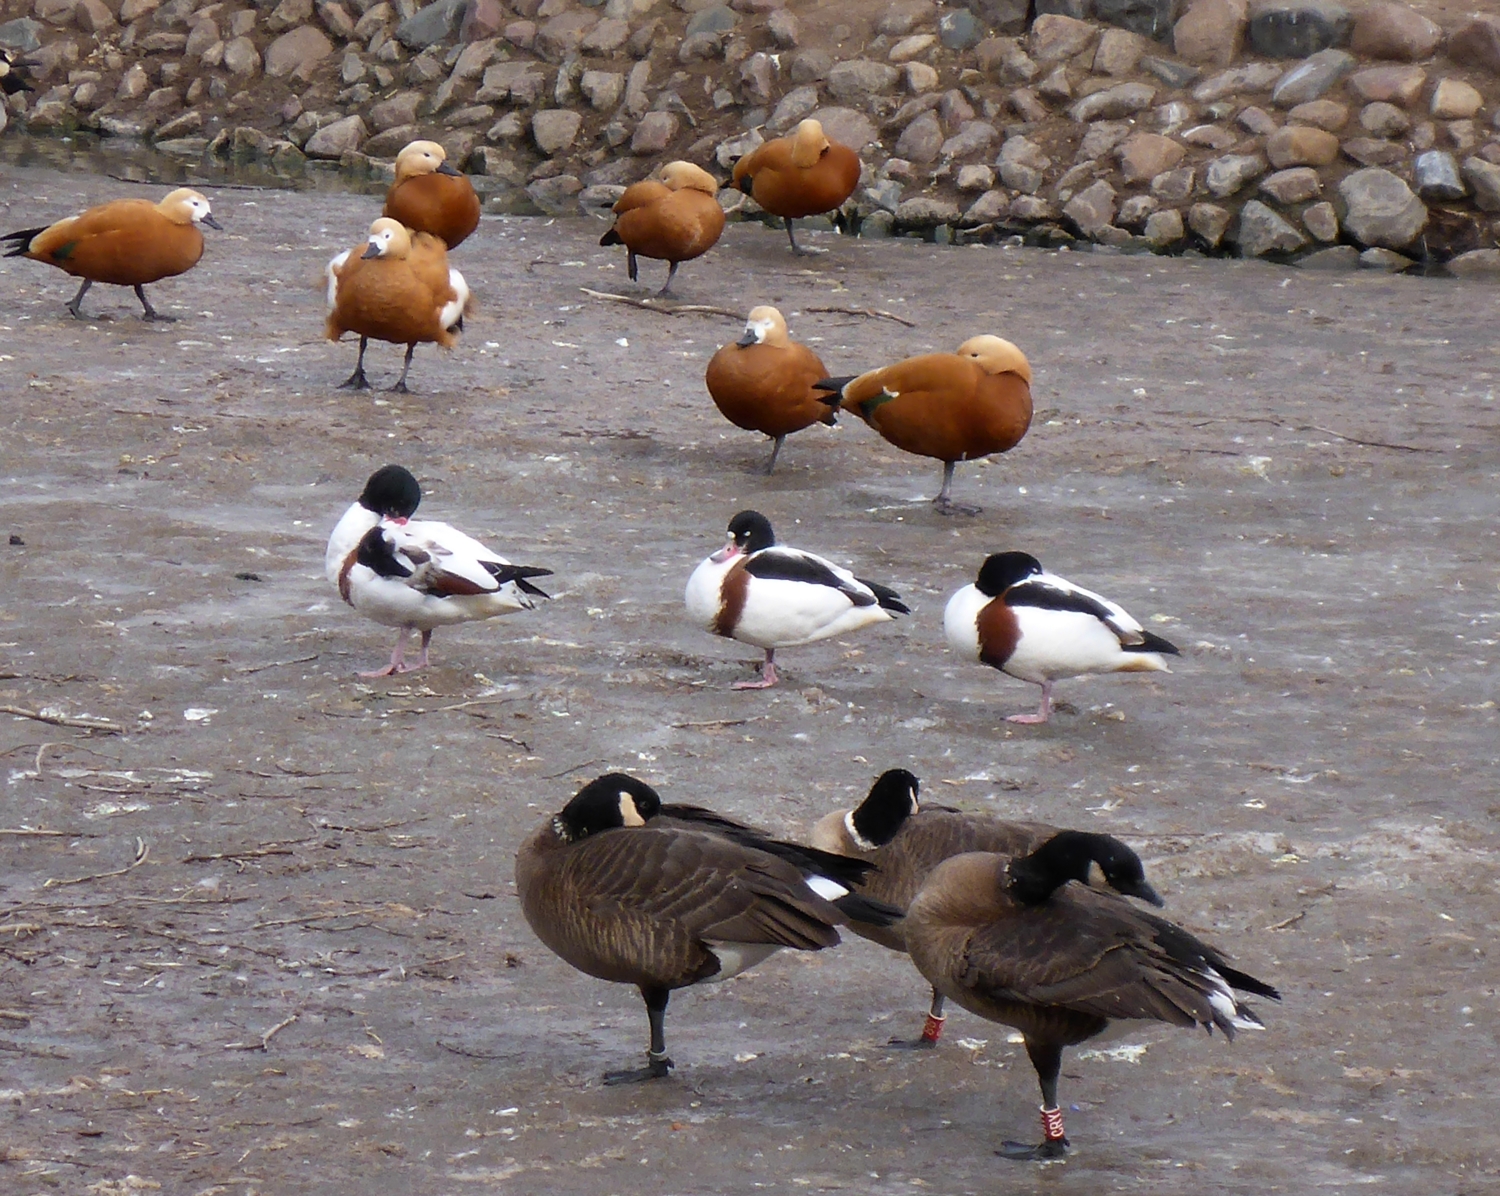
(1285, 128)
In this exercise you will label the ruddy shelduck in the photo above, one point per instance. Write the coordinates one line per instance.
(759, 592)
(674, 220)
(126, 243)
(952, 406)
(430, 196)
(803, 174)
(397, 287)
(763, 382)
(1039, 627)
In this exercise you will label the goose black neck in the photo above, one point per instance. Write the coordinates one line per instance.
(1071, 855)
(892, 800)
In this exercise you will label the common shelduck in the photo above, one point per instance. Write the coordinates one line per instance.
(399, 289)
(674, 220)
(418, 574)
(904, 841)
(429, 196)
(631, 898)
(803, 174)
(951, 406)
(1039, 627)
(763, 382)
(126, 242)
(1010, 939)
(758, 592)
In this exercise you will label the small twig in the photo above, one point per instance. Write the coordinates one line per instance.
(1404, 448)
(26, 830)
(723, 722)
(1285, 922)
(142, 852)
(14, 1015)
(493, 698)
(457, 1050)
(249, 853)
(276, 664)
(873, 313)
(680, 309)
(303, 921)
(18, 928)
(265, 1039)
(65, 720)
(552, 776)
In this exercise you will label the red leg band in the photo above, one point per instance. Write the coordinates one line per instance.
(1052, 1125)
(933, 1028)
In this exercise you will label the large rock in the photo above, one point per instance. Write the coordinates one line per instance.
(1298, 28)
(1252, 77)
(1147, 155)
(975, 137)
(1477, 263)
(1174, 186)
(1149, 18)
(1163, 228)
(1297, 185)
(798, 103)
(1055, 38)
(288, 15)
(297, 52)
(1119, 52)
(716, 18)
(1324, 114)
(1387, 30)
(561, 36)
(861, 78)
(656, 131)
(400, 109)
(1383, 120)
(1389, 84)
(1310, 79)
(1210, 32)
(1210, 222)
(848, 127)
(1228, 174)
(603, 89)
(1453, 99)
(1124, 99)
(1092, 209)
(1003, 16)
(927, 212)
(433, 24)
(921, 140)
(1301, 145)
(555, 129)
(336, 139)
(1374, 151)
(1477, 43)
(1322, 221)
(1262, 231)
(1484, 177)
(1436, 176)
(1380, 209)
(21, 36)
(958, 29)
(1103, 136)
(606, 37)
(241, 56)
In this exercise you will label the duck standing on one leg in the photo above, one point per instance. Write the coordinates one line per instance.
(758, 592)
(763, 382)
(803, 174)
(952, 406)
(398, 289)
(126, 243)
(674, 220)
(1039, 627)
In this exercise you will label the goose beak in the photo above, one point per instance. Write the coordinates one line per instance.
(1145, 892)
(372, 251)
(446, 169)
(209, 220)
(746, 339)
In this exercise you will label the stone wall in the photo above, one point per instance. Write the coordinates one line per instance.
(1273, 127)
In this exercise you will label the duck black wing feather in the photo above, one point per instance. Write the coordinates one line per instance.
(779, 564)
(887, 597)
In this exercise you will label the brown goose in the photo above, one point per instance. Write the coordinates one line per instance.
(660, 906)
(1012, 941)
(905, 842)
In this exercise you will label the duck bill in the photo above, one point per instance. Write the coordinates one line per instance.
(211, 222)
(747, 339)
(446, 169)
(373, 250)
(727, 553)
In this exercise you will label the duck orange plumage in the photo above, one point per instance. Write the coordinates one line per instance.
(429, 196)
(952, 406)
(763, 382)
(126, 242)
(396, 287)
(803, 174)
(674, 220)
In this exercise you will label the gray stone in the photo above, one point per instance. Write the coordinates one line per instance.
(1484, 177)
(241, 56)
(784, 29)
(796, 104)
(1078, 10)
(959, 30)
(1262, 231)
(1174, 186)
(554, 129)
(1171, 117)
(860, 78)
(606, 37)
(500, 78)
(926, 212)
(21, 36)
(1321, 114)
(1389, 30)
(1112, 103)
(1297, 185)
(297, 52)
(1175, 75)
(1032, 209)
(847, 126)
(1253, 77)
(976, 177)
(1228, 174)
(1340, 257)
(1477, 263)
(1257, 121)
(988, 208)
(1119, 52)
(558, 195)
(1056, 86)
(1210, 32)
(809, 66)
(1023, 150)
(1373, 151)
(1477, 43)
(1380, 209)
(1394, 84)
(1135, 211)
(717, 18)
(878, 225)
(336, 139)
(1020, 177)
(1322, 221)
(1055, 38)
(1164, 228)
(901, 17)
(400, 109)
(1298, 28)
(1309, 80)
(603, 88)
(1149, 18)
(1102, 137)
(1385, 259)
(1210, 222)
(975, 137)
(884, 193)
(1383, 120)
(1210, 137)
(389, 143)
(921, 140)
(1025, 104)
(655, 132)
(1092, 209)
(435, 23)
(1453, 99)
(1003, 16)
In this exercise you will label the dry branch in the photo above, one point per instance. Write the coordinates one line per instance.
(265, 1039)
(276, 664)
(142, 853)
(680, 309)
(65, 720)
(873, 313)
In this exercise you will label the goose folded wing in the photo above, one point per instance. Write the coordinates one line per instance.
(1052, 593)
(847, 870)
(787, 564)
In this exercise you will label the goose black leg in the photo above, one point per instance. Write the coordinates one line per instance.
(932, 1029)
(1046, 1057)
(944, 501)
(78, 299)
(658, 1066)
(775, 452)
(630, 264)
(798, 250)
(147, 311)
(400, 387)
(357, 380)
(666, 287)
